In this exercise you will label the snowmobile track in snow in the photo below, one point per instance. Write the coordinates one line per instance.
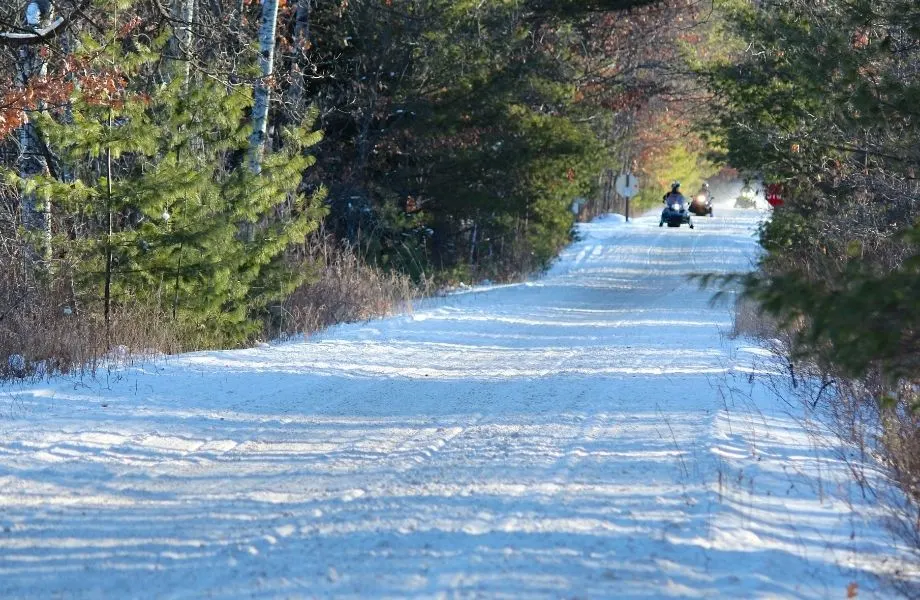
(592, 433)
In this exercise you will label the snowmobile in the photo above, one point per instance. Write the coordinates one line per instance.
(701, 205)
(747, 198)
(675, 214)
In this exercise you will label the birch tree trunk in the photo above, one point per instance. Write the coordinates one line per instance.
(262, 91)
(36, 212)
(184, 15)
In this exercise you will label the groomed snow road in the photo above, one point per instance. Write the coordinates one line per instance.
(592, 434)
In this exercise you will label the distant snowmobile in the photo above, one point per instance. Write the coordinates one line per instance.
(701, 205)
(747, 198)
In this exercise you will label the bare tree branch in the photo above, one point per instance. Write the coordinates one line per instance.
(25, 37)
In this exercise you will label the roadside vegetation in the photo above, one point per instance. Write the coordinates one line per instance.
(199, 175)
(823, 99)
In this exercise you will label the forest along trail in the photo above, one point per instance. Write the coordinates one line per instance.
(592, 433)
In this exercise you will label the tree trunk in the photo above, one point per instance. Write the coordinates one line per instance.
(240, 13)
(302, 25)
(184, 15)
(262, 91)
(36, 212)
(473, 243)
(107, 294)
(301, 45)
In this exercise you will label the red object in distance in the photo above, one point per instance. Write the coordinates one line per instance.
(775, 194)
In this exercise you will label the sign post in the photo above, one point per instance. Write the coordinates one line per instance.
(627, 185)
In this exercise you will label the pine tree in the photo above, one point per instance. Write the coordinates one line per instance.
(165, 228)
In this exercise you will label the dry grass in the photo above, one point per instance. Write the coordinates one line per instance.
(346, 290)
(874, 417)
(749, 320)
(44, 330)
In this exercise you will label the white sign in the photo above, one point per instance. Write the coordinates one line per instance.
(627, 185)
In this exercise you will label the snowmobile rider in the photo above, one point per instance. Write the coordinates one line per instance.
(674, 196)
(701, 203)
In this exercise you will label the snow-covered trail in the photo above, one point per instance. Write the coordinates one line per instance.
(589, 434)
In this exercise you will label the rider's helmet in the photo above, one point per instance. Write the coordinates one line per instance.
(675, 187)
(706, 186)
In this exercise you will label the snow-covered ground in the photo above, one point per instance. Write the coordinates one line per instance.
(592, 433)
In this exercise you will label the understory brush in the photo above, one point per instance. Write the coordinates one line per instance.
(46, 327)
(876, 420)
(345, 289)
(50, 325)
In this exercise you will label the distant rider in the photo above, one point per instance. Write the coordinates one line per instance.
(701, 204)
